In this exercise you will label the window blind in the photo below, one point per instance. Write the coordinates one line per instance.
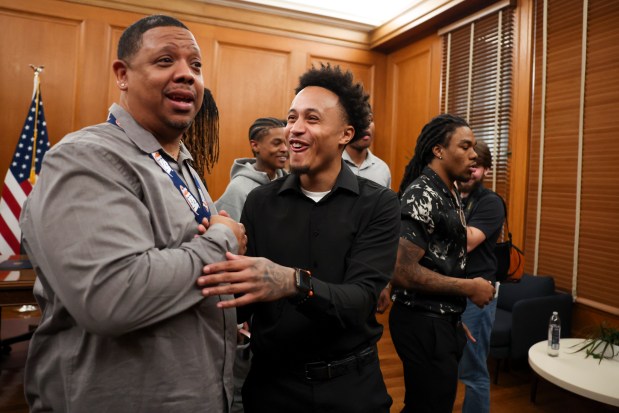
(476, 82)
(573, 197)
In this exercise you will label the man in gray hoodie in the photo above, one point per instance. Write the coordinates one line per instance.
(268, 143)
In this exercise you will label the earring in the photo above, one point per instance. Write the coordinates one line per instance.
(122, 85)
(440, 157)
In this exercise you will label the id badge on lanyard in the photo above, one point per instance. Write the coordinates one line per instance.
(199, 209)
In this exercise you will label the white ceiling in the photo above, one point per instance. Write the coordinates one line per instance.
(372, 13)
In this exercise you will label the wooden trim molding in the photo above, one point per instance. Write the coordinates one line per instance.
(598, 306)
(416, 22)
(414, 17)
(245, 19)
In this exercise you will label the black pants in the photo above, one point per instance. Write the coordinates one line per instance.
(430, 349)
(271, 388)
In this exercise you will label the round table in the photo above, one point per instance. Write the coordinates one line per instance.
(572, 371)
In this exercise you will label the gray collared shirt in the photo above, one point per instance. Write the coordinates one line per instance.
(372, 168)
(124, 327)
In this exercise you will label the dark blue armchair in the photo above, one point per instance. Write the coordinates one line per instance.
(522, 314)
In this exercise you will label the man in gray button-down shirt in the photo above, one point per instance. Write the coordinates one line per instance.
(116, 249)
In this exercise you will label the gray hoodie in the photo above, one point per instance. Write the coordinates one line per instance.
(243, 178)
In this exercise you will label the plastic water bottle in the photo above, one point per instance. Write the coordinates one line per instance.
(554, 334)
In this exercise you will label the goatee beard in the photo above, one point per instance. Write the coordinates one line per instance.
(180, 125)
(299, 170)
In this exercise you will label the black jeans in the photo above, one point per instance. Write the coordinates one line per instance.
(430, 349)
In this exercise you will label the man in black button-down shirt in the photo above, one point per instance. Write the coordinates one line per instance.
(430, 285)
(314, 337)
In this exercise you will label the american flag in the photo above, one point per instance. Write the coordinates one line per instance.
(22, 173)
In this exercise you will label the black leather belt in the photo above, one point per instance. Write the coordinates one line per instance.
(452, 318)
(325, 370)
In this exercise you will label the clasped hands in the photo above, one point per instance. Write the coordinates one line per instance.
(223, 218)
(250, 279)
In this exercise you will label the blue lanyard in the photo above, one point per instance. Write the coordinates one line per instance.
(200, 209)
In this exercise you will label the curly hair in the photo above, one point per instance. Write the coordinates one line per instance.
(436, 132)
(352, 97)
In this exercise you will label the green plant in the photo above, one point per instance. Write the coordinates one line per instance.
(601, 344)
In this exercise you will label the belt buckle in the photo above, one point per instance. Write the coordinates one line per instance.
(319, 364)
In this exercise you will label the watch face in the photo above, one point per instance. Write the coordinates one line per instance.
(303, 279)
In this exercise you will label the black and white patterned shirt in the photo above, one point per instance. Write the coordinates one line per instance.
(432, 218)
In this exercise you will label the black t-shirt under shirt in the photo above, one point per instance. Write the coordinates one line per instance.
(484, 210)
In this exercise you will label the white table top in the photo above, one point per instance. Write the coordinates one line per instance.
(572, 371)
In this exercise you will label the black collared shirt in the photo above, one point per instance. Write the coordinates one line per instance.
(432, 218)
(348, 240)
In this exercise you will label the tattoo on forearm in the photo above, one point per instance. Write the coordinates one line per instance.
(412, 275)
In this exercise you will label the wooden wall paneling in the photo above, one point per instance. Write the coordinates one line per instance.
(535, 137)
(244, 19)
(413, 84)
(520, 128)
(248, 86)
(26, 41)
(112, 93)
(94, 72)
(586, 320)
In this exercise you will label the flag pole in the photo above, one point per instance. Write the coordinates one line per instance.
(37, 90)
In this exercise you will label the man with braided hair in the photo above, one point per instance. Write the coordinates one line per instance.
(429, 281)
(268, 143)
(329, 239)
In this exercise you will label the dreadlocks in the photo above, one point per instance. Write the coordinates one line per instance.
(202, 137)
(436, 132)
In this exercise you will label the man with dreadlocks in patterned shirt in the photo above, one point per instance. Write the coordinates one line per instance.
(429, 284)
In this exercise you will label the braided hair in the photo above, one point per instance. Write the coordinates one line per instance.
(202, 137)
(436, 132)
(261, 127)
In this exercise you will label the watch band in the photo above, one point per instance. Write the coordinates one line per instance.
(305, 288)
